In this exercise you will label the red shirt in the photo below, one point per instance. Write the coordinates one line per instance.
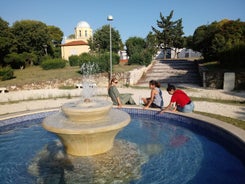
(180, 98)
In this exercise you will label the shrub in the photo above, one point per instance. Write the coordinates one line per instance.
(53, 64)
(6, 73)
(15, 60)
(86, 58)
(74, 60)
(104, 61)
(141, 58)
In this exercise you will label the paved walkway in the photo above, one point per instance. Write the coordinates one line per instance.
(29, 100)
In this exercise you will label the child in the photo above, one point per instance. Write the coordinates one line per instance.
(179, 100)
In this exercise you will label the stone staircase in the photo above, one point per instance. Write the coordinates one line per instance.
(176, 72)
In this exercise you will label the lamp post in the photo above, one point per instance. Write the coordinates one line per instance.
(110, 18)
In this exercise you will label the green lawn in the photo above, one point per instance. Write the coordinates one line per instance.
(36, 74)
(236, 122)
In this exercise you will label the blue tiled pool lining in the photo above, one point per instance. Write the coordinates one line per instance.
(225, 137)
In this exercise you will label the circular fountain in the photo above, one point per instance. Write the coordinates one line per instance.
(87, 128)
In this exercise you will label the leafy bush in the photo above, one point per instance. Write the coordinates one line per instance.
(86, 58)
(141, 58)
(74, 60)
(15, 60)
(103, 61)
(6, 73)
(53, 64)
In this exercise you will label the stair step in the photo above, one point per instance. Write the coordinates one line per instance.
(172, 71)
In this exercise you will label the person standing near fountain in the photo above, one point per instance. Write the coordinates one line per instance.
(117, 98)
(156, 100)
(179, 100)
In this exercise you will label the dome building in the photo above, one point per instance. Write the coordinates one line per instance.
(79, 44)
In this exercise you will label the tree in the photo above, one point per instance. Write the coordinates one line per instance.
(138, 52)
(215, 39)
(178, 40)
(31, 36)
(151, 43)
(169, 31)
(101, 40)
(188, 42)
(6, 39)
(135, 45)
(56, 36)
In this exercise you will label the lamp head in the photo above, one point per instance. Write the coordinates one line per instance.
(109, 18)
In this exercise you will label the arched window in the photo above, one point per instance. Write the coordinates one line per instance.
(80, 33)
(86, 33)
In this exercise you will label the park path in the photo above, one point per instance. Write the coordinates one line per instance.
(32, 100)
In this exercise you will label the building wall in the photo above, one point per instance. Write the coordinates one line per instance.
(83, 33)
(68, 51)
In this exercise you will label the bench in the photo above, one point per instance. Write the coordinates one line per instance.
(79, 86)
(3, 90)
(92, 85)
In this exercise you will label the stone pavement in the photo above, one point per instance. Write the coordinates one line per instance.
(32, 100)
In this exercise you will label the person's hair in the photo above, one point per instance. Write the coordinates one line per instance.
(170, 87)
(155, 83)
(113, 80)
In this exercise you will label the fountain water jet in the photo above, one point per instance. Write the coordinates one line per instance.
(87, 127)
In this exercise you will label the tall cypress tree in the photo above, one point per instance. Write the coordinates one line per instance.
(170, 31)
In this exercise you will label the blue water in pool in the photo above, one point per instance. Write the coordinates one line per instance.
(176, 155)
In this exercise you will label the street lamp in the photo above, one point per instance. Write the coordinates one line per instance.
(110, 18)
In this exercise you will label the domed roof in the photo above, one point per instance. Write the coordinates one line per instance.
(83, 24)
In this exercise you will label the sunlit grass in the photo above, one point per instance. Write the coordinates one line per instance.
(236, 122)
(123, 67)
(37, 74)
(232, 102)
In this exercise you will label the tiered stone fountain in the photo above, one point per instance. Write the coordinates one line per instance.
(87, 127)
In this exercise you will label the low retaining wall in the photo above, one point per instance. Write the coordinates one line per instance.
(136, 74)
(215, 79)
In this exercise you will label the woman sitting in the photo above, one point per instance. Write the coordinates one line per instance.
(156, 100)
(179, 100)
(117, 98)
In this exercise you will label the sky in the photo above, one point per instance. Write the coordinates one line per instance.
(130, 17)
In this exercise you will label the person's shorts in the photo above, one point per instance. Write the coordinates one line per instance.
(187, 108)
(155, 106)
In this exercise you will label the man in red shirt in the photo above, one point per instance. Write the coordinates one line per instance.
(179, 100)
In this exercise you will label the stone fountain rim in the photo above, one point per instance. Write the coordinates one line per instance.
(112, 124)
(100, 104)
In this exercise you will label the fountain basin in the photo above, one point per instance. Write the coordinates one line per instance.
(87, 138)
(87, 111)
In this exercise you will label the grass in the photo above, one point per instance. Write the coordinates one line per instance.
(232, 102)
(122, 67)
(37, 74)
(236, 122)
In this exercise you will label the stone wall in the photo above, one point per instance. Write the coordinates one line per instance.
(100, 80)
(136, 74)
(215, 79)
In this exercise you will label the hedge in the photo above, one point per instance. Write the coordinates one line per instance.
(6, 73)
(53, 64)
